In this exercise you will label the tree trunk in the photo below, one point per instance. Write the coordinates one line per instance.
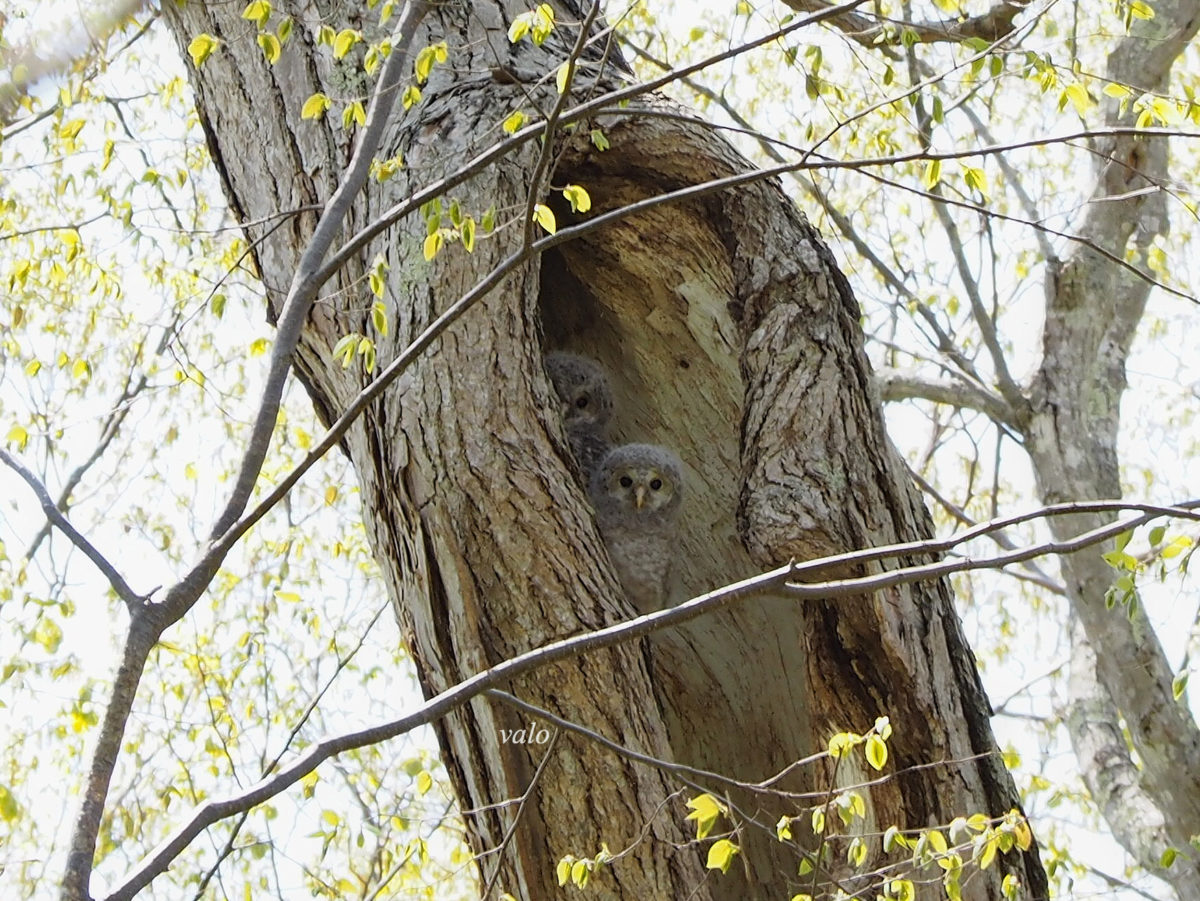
(708, 313)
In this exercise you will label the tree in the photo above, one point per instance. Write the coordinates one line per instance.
(714, 302)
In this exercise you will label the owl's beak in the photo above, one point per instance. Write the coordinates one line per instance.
(639, 496)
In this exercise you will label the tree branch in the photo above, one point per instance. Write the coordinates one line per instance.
(132, 599)
(905, 384)
(992, 26)
(783, 580)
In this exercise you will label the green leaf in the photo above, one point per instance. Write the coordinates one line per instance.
(433, 243)
(201, 48)
(468, 234)
(599, 141)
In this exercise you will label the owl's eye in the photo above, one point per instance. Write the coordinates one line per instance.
(655, 484)
(626, 482)
(581, 402)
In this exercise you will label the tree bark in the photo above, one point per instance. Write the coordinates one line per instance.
(712, 312)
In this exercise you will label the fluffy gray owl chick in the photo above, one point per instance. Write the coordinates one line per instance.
(587, 403)
(636, 492)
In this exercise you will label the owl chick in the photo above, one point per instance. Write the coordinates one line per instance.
(636, 492)
(587, 403)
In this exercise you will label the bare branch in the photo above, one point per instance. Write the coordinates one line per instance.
(132, 599)
(782, 580)
(871, 31)
(903, 384)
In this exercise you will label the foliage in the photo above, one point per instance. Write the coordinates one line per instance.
(133, 346)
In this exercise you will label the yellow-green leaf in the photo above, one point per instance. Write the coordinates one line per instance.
(1079, 97)
(345, 41)
(379, 317)
(424, 782)
(721, 855)
(520, 27)
(578, 197)
(783, 829)
(411, 96)
(201, 48)
(1178, 545)
(257, 11)
(704, 810)
(19, 436)
(270, 46)
(423, 65)
(433, 243)
(580, 873)
(514, 121)
(354, 114)
(468, 234)
(344, 349)
(933, 173)
(1179, 685)
(562, 78)
(563, 870)
(877, 752)
(544, 216)
(315, 106)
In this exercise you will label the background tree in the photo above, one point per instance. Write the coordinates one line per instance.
(461, 460)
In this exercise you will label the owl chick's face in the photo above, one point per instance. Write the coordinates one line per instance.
(641, 479)
(583, 390)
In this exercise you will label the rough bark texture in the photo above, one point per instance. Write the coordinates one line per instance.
(709, 314)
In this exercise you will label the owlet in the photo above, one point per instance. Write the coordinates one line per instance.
(636, 492)
(587, 403)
